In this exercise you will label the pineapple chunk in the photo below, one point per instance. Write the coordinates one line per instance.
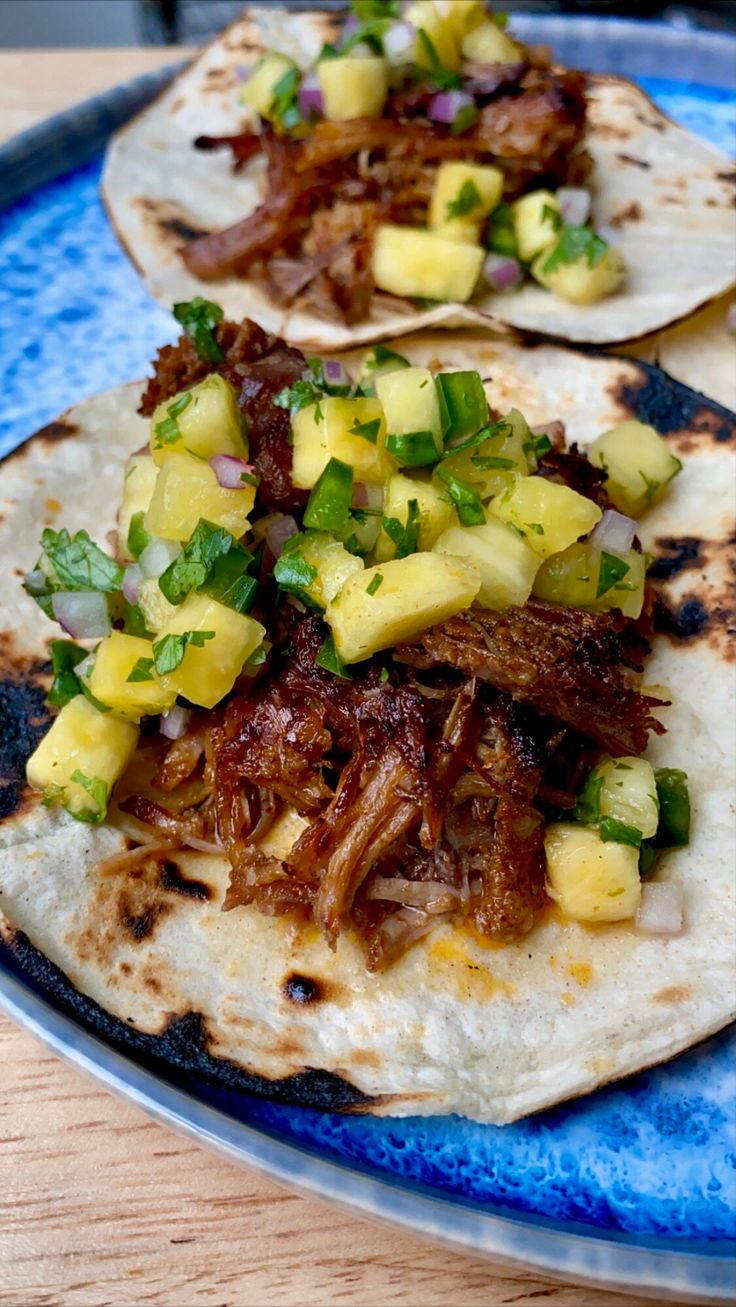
(577, 281)
(461, 15)
(82, 742)
(629, 793)
(570, 577)
(204, 421)
(154, 605)
(495, 464)
(435, 513)
(333, 563)
(322, 432)
(507, 565)
(208, 672)
(377, 362)
(138, 487)
(589, 879)
(548, 516)
(258, 92)
(413, 594)
(352, 87)
(537, 221)
(487, 44)
(281, 837)
(411, 261)
(639, 464)
(450, 178)
(428, 17)
(463, 233)
(410, 403)
(115, 659)
(188, 490)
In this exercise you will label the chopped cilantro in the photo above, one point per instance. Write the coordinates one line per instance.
(199, 318)
(537, 446)
(490, 462)
(329, 659)
(467, 501)
(99, 791)
(375, 582)
(168, 652)
(588, 806)
(292, 571)
(191, 568)
(284, 105)
(367, 9)
(404, 536)
(618, 832)
(612, 570)
(368, 430)
(301, 395)
(142, 670)
(168, 432)
(138, 536)
(535, 527)
(383, 675)
(380, 355)
(464, 118)
(65, 656)
(576, 243)
(552, 216)
(467, 199)
(445, 79)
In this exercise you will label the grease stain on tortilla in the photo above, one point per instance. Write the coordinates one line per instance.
(673, 994)
(469, 979)
(581, 972)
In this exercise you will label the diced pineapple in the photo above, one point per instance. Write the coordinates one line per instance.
(258, 91)
(323, 431)
(461, 15)
(413, 594)
(639, 465)
(577, 281)
(352, 87)
(115, 659)
(570, 577)
(208, 672)
(154, 605)
(507, 565)
(435, 512)
(537, 221)
(138, 487)
(204, 421)
(426, 16)
(378, 362)
(410, 403)
(493, 465)
(463, 233)
(334, 564)
(549, 517)
(450, 178)
(188, 490)
(589, 879)
(281, 837)
(94, 747)
(414, 262)
(629, 793)
(487, 44)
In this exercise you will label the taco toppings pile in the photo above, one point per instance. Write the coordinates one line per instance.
(424, 155)
(379, 646)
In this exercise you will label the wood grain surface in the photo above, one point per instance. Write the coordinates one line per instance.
(99, 1205)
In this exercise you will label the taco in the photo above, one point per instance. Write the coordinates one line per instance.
(366, 781)
(395, 173)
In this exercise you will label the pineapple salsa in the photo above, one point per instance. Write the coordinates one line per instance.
(420, 505)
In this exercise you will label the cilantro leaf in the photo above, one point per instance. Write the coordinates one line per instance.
(576, 243)
(191, 568)
(284, 105)
(382, 354)
(464, 118)
(169, 651)
(404, 536)
(199, 317)
(367, 9)
(612, 569)
(552, 216)
(301, 395)
(167, 432)
(141, 671)
(445, 79)
(467, 199)
(467, 501)
(330, 661)
(77, 563)
(292, 571)
(65, 656)
(368, 430)
(99, 791)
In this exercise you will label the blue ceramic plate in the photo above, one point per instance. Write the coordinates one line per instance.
(633, 1187)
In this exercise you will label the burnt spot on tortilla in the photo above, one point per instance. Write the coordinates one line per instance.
(49, 435)
(688, 619)
(728, 177)
(632, 213)
(183, 230)
(647, 120)
(181, 1054)
(138, 921)
(637, 163)
(672, 408)
(170, 220)
(171, 878)
(678, 554)
(302, 990)
(24, 716)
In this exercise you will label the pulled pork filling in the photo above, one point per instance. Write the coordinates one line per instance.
(424, 779)
(310, 240)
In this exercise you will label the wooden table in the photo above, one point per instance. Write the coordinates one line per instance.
(98, 1204)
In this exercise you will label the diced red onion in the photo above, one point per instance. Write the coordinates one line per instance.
(350, 27)
(229, 471)
(446, 105)
(660, 910)
(335, 373)
(244, 72)
(131, 582)
(614, 533)
(174, 723)
(731, 318)
(574, 202)
(502, 272)
(82, 615)
(156, 557)
(360, 495)
(281, 529)
(399, 41)
(310, 97)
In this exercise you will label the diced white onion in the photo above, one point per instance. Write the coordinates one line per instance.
(362, 51)
(574, 202)
(131, 582)
(157, 556)
(82, 615)
(174, 723)
(614, 533)
(230, 470)
(280, 529)
(660, 910)
(398, 42)
(502, 272)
